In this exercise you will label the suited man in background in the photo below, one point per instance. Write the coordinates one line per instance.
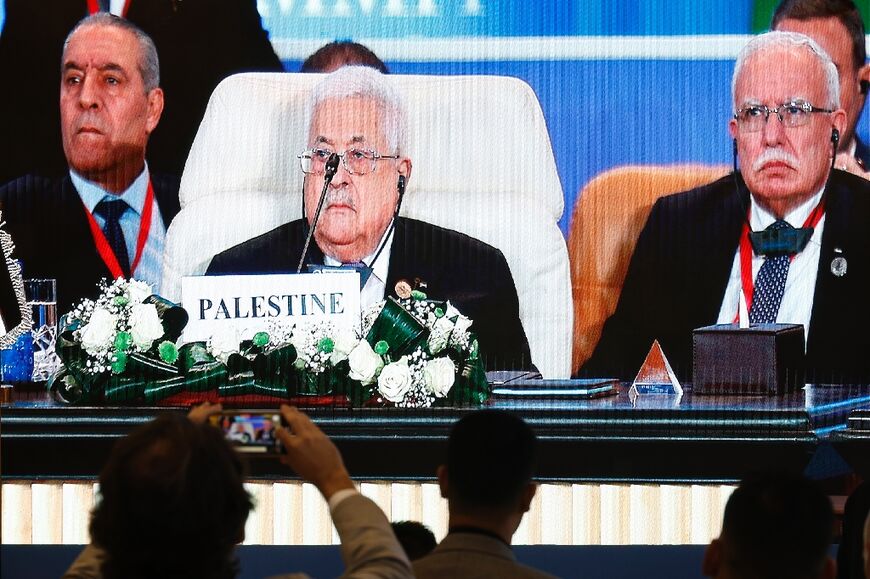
(108, 216)
(838, 28)
(487, 481)
(695, 260)
(775, 525)
(356, 113)
(199, 42)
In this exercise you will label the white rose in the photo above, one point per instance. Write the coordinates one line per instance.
(137, 291)
(395, 380)
(364, 363)
(345, 341)
(439, 375)
(145, 326)
(439, 334)
(224, 343)
(99, 333)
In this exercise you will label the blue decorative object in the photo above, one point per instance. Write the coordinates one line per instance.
(16, 362)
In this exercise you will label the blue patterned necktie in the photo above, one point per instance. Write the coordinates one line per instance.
(360, 267)
(111, 210)
(770, 285)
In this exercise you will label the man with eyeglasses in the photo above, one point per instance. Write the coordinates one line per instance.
(786, 235)
(357, 120)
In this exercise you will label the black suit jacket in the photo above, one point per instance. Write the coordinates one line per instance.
(474, 276)
(679, 271)
(199, 43)
(49, 227)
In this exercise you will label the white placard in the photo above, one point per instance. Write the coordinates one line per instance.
(248, 303)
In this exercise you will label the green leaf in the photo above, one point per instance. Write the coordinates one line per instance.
(261, 339)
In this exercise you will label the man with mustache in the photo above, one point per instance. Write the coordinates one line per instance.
(107, 217)
(356, 113)
(696, 260)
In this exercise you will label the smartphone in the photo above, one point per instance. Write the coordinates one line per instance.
(250, 431)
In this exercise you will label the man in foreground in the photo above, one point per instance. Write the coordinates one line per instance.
(839, 29)
(698, 256)
(357, 115)
(173, 504)
(108, 216)
(774, 526)
(487, 482)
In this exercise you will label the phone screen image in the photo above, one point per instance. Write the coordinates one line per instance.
(251, 432)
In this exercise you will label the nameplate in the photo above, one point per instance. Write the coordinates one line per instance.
(248, 303)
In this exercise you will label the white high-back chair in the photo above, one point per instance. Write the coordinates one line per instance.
(483, 166)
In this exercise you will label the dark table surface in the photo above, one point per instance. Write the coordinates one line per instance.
(821, 430)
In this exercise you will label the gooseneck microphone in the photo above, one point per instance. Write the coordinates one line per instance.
(329, 173)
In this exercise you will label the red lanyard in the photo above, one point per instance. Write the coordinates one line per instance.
(94, 7)
(105, 250)
(746, 253)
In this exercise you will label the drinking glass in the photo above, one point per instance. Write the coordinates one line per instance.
(42, 299)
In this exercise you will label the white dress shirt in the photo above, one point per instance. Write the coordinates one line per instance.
(151, 262)
(797, 301)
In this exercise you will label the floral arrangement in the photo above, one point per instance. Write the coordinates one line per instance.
(408, 352)
(121, 322)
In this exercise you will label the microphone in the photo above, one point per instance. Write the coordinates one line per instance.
(329, 173)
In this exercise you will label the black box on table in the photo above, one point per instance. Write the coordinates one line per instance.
(761, 359)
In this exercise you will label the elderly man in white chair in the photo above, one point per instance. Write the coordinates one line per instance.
(357, 115)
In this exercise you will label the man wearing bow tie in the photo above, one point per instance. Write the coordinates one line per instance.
(107, 217)
(704, 251)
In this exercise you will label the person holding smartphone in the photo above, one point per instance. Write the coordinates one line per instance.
(173, 503)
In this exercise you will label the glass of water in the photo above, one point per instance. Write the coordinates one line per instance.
(42, 299)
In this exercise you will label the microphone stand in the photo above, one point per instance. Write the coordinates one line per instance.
(329, 173)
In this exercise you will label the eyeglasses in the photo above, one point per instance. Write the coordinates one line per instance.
(356, 161)
(752, 118)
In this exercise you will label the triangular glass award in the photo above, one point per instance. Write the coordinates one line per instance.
(656, 376)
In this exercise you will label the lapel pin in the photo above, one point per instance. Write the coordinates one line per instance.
(403, 289)
(839, 265)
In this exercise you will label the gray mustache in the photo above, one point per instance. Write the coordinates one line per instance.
(776, 155)
(339, 196)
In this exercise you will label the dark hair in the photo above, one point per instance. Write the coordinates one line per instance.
(843, 10)
(490, 459)
(777, 525)
(416, 538)
(172, 503)
(342, 53)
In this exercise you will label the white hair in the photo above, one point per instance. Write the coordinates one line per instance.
(790, 41)
(365, 83)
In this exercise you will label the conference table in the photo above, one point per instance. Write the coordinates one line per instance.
(651, 469)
